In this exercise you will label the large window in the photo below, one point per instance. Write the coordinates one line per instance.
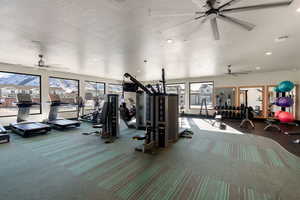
(12, 84)
(93, 90)
(199, 92)
(180, 90)
(115, 89)
(67, 89)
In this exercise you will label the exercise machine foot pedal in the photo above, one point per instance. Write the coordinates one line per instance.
(4, 138)
(139, 137)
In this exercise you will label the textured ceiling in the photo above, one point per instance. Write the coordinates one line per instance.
(109, 37)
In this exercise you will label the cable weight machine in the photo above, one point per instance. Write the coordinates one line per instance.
(162, 126)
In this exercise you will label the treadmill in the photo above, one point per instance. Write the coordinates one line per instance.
(52, 118)
(23, 127)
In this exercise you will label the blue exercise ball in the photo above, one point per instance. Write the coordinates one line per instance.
(276, 89)
(285, 102)
(286, 86)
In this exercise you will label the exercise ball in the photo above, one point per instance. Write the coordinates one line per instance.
(277, 113)
(286, 117)
(284, 102)
(286, 86)
(276, 89)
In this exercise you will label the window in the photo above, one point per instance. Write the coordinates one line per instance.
(13, 83)
(180, 90)
(200, 91)
(67, 89)
(115, 89)
(92, 91)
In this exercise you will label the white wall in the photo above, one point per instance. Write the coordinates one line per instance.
(253, 79)
(45, 89)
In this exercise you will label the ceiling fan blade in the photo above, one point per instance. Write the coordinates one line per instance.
(186, 22)
(256, 7)
(243, 24)
(215, 29)
(188, 35)
(230, 3)
(173, 13)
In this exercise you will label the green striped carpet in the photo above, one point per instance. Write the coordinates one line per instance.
(211, 166)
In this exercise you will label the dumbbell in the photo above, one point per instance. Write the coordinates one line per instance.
(233, 115)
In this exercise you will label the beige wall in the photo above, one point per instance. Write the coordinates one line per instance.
(45, 89)
(253, 79)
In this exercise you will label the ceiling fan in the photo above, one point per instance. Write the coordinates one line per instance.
(215, 11)
(41, 64)
(229, 72)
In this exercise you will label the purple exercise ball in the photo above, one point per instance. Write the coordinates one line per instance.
(284, 102)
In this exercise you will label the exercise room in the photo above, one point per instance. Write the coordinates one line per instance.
(150, 100)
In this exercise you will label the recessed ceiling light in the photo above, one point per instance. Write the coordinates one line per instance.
(169, 41)
(298, 10)
(258, 68)
(268, 53)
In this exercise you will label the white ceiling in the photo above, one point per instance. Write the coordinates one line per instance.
(109, 37)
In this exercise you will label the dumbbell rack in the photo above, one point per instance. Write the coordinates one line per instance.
(230, 112)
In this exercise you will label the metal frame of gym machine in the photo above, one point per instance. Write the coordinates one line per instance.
(109, 121)
(162, 125)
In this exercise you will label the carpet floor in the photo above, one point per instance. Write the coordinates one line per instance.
(213, 165)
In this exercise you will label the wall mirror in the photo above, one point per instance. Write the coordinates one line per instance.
(225, 96)
(253, 96)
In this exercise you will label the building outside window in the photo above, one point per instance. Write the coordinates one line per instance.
(199, 92)
(93, 92)
(115, 89)
(67, 89)
(180, 90)
(12, 84)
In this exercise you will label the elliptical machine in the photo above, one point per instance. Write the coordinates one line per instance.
(95, 116)
(109, 121)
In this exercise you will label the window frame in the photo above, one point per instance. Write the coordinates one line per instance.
(29, 74)
(68, 111)
(114, 84)
(213, 92)
(87, 81)
(171, 84)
